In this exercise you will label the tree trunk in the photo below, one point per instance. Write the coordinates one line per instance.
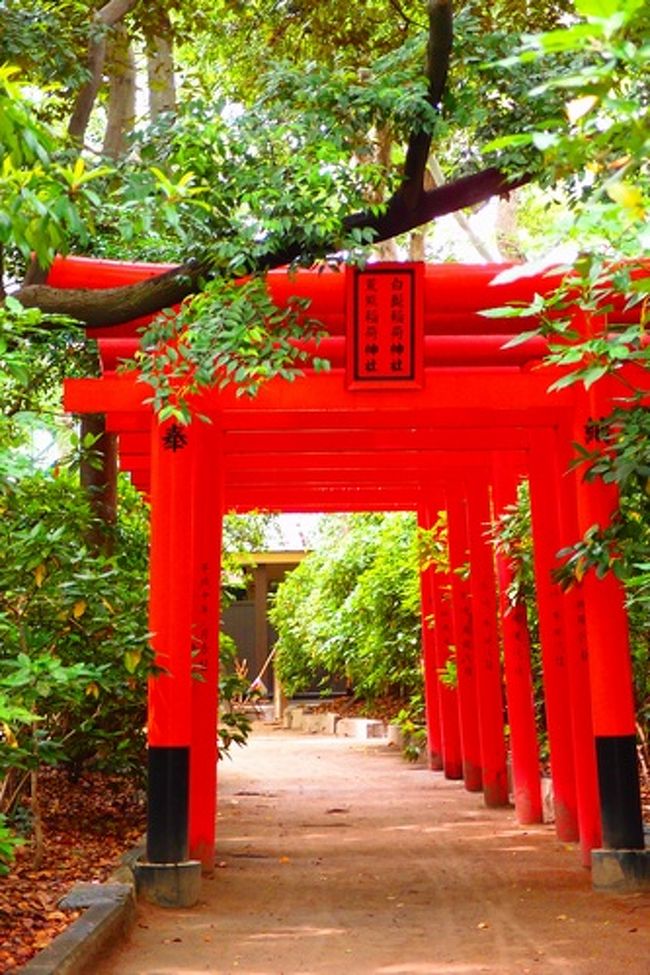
(160, 70)
(121, 96)
(107, 16)
(507, 233)
(98, 477)
(387, 249)
(417, 245)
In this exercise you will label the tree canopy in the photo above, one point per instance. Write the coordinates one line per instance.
(231, 166)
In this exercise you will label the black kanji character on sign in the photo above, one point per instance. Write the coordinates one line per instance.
(174, 438)
(397, 348)
(595, 429)
(371, 349)
(396, 365)
(371, 365)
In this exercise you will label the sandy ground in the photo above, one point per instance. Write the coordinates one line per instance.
(338, 857)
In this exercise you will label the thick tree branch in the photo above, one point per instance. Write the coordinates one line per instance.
(112, 306)
(398, 218)
(438, 55)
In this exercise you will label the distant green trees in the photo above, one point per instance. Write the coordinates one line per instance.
(351, 610)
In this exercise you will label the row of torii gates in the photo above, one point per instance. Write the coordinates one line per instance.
(423, 409)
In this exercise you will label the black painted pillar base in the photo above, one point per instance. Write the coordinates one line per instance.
(168, 804)
(620, 796)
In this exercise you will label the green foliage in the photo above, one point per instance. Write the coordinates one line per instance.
(46, 196)
(73, 627)
(235, 723)
(8, 845)
(48, 41)
(230, 333)
(599, 147)
(412, 722)
(351, 610)
(34, 358)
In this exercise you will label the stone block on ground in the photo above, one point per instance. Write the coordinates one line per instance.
(320, 723)
(296, 717)
(395, 736)
(362, 728)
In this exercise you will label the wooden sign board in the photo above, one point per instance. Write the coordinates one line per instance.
(384, 326)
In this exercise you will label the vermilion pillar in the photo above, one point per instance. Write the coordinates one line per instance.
(170, 692)
(431, 682)
(489, 686)
(452, 759)
(464, 636)
(524, 748)
(612, 700)
(557, 698)
(589, 820)
(206, 530)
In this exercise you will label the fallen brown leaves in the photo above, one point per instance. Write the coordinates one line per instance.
(88, 825)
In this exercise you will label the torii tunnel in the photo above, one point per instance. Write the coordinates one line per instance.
(425, 410)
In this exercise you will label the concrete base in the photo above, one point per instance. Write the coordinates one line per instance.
(169, 884)
(614, 870)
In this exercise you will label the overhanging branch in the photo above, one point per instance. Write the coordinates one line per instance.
(112, 306)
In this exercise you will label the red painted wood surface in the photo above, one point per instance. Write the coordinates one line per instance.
(461, 600)
(172, 587)
(316, 445)
(489, 683)
(524, 748)
(433, 711)
(207, 514)
(589, 820)
(452, 757)
(547, 542)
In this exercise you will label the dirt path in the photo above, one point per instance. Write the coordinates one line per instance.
(337, 858)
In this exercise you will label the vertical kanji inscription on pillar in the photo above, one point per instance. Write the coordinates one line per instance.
(384, 316)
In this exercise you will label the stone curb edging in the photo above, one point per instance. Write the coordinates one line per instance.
(108, 914)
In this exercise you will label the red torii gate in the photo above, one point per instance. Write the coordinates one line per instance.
(444, 418)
